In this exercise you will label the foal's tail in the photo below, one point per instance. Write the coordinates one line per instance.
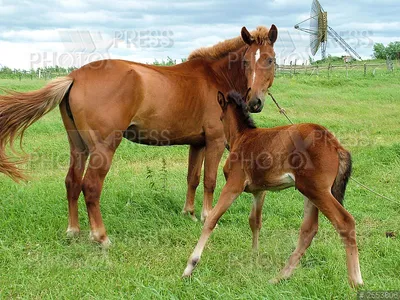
(20, 110)
(344, 173)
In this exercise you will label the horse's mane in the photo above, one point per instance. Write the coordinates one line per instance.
(242, 110)
(221, 49)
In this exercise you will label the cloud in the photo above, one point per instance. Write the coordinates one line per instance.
(36, 27)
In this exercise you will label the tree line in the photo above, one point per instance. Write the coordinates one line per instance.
(391, 51)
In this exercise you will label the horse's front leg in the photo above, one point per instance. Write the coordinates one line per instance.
(214, 150)
(196, 158)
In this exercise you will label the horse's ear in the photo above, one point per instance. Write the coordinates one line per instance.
(273, 34)
(246, 36)
(221, 100)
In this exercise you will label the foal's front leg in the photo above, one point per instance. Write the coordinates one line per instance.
(255, 218)
(233, 188)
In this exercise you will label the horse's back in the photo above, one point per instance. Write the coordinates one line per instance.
(150, 100)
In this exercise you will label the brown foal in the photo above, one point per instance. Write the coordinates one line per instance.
(306, 156)
(105, 101)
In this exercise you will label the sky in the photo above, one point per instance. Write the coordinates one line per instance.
(74, 32)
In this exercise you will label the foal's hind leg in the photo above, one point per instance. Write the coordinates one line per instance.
(196, 158)
(101, 155)
(344, 223)
(308, 230)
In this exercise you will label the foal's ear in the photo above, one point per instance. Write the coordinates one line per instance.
(246, 36)
(273, 34)
(221, 100)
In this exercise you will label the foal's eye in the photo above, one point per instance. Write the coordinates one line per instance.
(271, 61)
(246, 63)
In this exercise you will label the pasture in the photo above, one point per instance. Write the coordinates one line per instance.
(145, 191)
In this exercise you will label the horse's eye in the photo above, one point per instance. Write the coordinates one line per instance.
(246, 63)
(271, 61)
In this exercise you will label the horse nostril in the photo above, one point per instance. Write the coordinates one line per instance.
(257, 104)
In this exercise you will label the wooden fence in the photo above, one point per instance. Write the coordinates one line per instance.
(330, 69)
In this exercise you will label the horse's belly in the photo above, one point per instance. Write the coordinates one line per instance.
(162, 137)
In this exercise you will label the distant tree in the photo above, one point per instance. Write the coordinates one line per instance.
(393, 50)
(379, 51)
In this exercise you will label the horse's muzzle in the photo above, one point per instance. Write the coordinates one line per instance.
(256, 105)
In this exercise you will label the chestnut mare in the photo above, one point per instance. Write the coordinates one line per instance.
(105, 101)
(306, 156)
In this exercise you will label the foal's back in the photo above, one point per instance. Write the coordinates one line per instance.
(274, 158)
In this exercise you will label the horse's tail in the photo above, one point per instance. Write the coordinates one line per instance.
(343, 175)
(20, 110)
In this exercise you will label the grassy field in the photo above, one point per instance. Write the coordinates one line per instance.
(145, 192)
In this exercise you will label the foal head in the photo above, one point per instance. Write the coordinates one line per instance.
(235, 113)
(259, 64)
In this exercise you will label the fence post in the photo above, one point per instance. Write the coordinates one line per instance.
(365, 69)
(329, 70)
(389, 64)
(291, 68)
(295, 64)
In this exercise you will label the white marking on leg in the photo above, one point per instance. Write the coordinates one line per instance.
(72, 231)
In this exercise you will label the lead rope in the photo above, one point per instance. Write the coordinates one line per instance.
(283, 112)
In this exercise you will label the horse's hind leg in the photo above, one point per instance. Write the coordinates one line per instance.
(196, 158)
(73, 180)
(308, 230)
(101, 155)
(73, 184)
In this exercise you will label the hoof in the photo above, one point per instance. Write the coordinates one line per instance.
(203, 217)
(106, 243)
(72, 232)
(357, 284)
(190, 267)
(274, 281)
(191, 215)
(188, 271)
(103, 240)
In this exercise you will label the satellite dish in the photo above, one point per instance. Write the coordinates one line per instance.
(319, 31)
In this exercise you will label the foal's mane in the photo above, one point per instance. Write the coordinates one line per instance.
(222, 49)
(241, 109)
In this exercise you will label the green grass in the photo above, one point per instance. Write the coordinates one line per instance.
(152, 241)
